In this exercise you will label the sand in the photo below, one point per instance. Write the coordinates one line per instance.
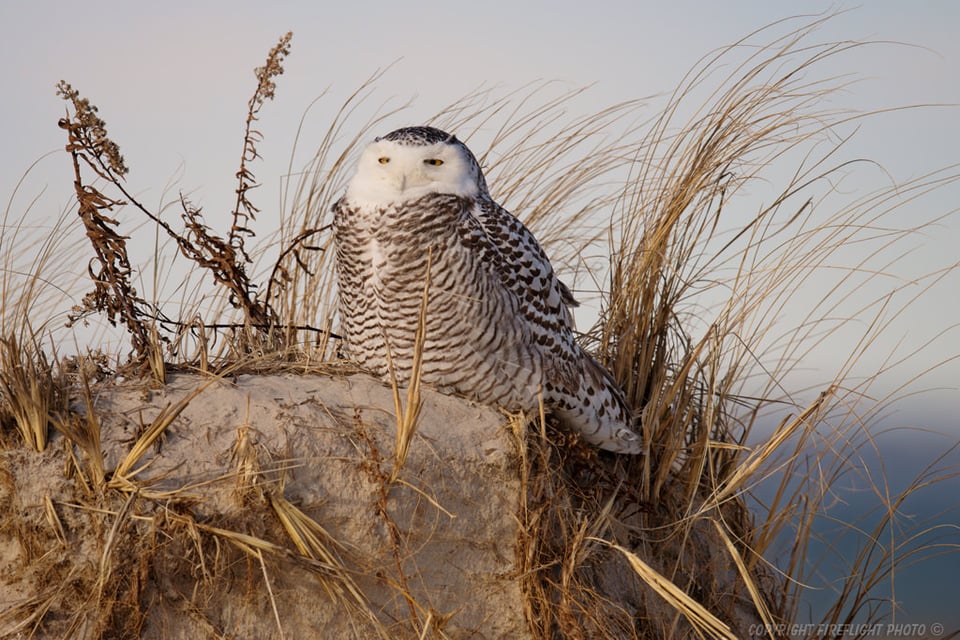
(449, 523)
(267, 508)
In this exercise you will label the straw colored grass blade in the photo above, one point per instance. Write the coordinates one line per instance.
(125, 471)
(748, 578)
(314, 542)
(408, 414)
(751, 467)
(83, 432)
(53, 519)
(258, 554)
(704, 622)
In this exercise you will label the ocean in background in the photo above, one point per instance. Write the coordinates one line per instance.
(926, 529)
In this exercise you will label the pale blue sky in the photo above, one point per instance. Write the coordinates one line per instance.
(172, 80)
(172, 83)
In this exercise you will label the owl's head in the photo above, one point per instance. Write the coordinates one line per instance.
(410, 163)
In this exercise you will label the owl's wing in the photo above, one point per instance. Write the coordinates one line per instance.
(509, 254)
(528, 271)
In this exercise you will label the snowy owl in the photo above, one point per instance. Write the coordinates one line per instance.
(498, 326)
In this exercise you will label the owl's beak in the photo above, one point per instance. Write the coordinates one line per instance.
(403, 182)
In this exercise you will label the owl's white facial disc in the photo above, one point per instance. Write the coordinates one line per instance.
(392, 172)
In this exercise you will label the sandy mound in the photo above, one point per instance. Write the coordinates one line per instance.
(324, 444)
(265, 508)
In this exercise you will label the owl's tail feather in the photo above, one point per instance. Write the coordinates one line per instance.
(597, 409)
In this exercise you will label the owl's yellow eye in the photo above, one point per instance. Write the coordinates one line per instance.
(434, 161)
(383, 160)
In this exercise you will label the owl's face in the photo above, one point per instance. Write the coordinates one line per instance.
(410, 163)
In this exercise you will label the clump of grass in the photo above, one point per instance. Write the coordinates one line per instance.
(31, 396)
(33, 284)
(670, 248)
(83, 433)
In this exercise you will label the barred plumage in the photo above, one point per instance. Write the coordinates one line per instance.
(498, 326)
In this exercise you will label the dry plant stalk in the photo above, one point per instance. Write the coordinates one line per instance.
(113, 294)
(224, 259)
(226, 264)
(244, 210)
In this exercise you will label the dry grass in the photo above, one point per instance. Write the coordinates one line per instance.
(608, 546)
(408, 414)
(32, 395)
(33, 282)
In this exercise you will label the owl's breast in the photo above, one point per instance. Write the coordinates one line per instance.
(377, 258)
